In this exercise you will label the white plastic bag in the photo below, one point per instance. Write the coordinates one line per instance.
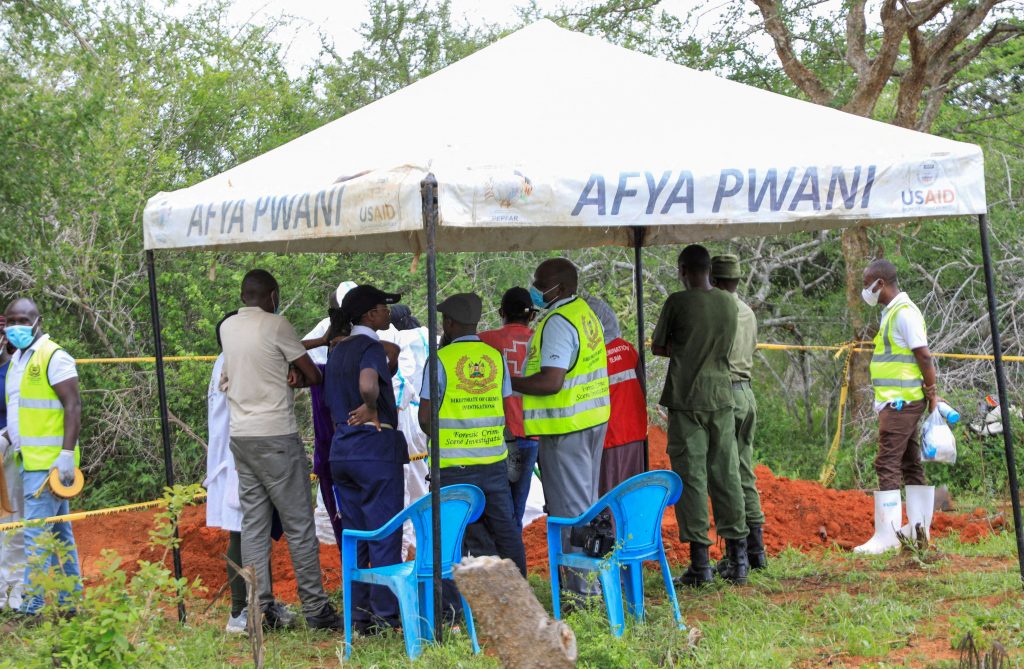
(937, 441)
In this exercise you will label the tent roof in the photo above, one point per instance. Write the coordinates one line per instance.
(551, 139)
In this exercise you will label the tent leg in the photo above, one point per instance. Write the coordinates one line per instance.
(428, 189)
(161, 386)
(1004, 403)
(638, 286)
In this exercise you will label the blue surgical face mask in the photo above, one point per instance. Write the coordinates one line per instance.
(21, 336)
(537, 297)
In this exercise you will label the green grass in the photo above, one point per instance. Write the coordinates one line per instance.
(803, 611)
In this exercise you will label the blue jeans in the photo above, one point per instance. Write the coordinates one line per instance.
(36, 508)
(521, 488)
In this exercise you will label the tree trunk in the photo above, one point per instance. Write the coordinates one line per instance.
(856, 255)
(510, 620)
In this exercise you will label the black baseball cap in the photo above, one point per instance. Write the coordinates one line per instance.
(462, 308)
(361, 299)
(517, 302)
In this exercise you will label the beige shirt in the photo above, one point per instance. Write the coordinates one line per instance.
(258, 347)
(741, 358)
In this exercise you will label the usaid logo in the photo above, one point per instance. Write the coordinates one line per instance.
(928, 173)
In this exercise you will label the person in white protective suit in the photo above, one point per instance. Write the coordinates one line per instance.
(12, 542)
(411, 337)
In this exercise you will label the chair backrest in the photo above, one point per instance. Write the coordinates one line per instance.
(460, 505)
(638, 505)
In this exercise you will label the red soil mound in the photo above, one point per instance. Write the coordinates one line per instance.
(801, 514)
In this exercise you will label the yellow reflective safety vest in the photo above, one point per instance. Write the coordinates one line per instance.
(40, 413)
(894, 371)
(471, 430)
(583, 402)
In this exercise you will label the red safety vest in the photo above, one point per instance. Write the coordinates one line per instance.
(512, 341)
(628, 422)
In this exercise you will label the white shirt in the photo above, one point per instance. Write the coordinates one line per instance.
(363, 330)
(319, 354)
(561, 345)
(62, 367)
(908, 328)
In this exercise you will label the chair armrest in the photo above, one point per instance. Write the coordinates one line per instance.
(381, 532)
(581, 519)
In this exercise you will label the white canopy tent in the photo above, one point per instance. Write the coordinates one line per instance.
(548, 133)
(550, 139)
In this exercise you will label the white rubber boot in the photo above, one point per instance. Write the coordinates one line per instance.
(888, 515)
(920, 508)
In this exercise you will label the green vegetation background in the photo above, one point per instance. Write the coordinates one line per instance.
(106, 103)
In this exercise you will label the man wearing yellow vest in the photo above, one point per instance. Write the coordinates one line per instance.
(566, 401)
(44, 416)
(473, 381)
(903, 378)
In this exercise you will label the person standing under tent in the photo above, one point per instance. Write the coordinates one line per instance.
(725, 275)
(623, 455)
(44, 418)
(411, 338)
(696, 330)
(223, 508)
(566, 402)
(512, 340)
(317, 342)
(903, 376)
(263, 361)
(367, 452)
(12, 542)
(471, 432)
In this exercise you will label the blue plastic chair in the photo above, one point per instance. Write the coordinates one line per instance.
(637, 505)
(413, 582)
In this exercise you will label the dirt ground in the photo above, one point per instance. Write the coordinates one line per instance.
(800, 514)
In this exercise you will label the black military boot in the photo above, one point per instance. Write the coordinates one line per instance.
(755, 548)
(699, 572)
(738, 568)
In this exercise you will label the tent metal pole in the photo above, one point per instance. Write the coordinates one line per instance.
(428, 190)
(1004, 403)
(161, 388)
(638, 286)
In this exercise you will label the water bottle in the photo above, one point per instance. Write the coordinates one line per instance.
(951, 415)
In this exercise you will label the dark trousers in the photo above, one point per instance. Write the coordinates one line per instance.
(620, 463)
(497, 530)
(899, 446)
(521, 488)
(371, 494)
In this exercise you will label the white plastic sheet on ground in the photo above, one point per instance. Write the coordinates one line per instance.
(551, 139)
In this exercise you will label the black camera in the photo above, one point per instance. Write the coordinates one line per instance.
(596, 538)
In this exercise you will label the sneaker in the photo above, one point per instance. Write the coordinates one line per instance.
(238, 624)
(277, 616)
(326, 619)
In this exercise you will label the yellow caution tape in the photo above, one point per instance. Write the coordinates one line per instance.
(150, 359)
(82, 515)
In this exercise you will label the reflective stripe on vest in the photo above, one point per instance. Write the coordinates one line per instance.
(583, 401)
(40, 412)
(895, 374)
(472, 413)
(622, 377)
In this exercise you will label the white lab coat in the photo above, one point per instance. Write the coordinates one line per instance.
(223, 508)
(406, 382)
(12, 542)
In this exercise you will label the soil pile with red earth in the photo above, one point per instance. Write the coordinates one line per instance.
(801, 514)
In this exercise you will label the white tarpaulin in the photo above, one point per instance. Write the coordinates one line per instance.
(550, 139)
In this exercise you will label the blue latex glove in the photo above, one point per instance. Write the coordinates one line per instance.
(65, 466)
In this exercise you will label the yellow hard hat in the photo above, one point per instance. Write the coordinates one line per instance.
(64, 491)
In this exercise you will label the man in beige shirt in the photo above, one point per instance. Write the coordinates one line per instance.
(725, 275)
(263, 361)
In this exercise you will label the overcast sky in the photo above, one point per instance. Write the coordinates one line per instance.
(340, 19)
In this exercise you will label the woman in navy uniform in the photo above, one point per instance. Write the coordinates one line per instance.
(367, 452)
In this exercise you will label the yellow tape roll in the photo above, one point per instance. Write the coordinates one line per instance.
(63, 491)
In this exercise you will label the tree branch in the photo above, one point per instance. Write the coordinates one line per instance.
(800, 74)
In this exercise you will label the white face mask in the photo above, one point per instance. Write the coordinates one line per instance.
(871, 296)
